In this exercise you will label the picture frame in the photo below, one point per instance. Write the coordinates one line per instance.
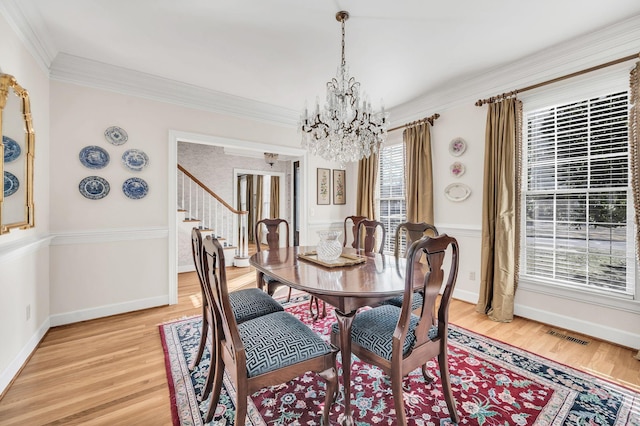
(339, 187)
(324, 186)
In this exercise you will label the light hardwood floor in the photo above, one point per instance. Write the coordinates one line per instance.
(110, 371)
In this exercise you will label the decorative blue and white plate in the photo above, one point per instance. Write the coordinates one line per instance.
(116, 135)
(135, 159)
(135, 188)
(11, 184)
(11, 149)
(94, 187)
(94, 157)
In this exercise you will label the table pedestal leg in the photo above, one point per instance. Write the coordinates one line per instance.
(344, 322)
(260, 280)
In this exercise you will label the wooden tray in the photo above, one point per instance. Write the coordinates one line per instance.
(343, 260)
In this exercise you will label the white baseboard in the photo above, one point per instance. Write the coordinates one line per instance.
(186, 268)
(593, 329)
(12, 369)
(107, 310)
(465, 296)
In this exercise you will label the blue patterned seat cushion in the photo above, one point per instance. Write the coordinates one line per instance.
(278, 340)
(397, 301)
(252, 303)
(373, 330)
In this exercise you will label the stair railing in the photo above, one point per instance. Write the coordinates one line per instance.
(214, 213)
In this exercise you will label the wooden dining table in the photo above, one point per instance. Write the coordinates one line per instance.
(347, 288)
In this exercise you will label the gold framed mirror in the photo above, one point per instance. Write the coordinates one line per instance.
(16, 153)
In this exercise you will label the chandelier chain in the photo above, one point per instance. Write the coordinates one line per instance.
(344, 61)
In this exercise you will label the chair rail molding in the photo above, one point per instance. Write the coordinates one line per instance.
(98, 236)
(21, 247)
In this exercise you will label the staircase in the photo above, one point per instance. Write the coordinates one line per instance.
(199, 206)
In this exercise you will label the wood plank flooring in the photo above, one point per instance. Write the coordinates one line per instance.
(110, 371)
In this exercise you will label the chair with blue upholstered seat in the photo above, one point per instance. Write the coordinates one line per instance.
(351, 224)
(406, 234)
(409, 232)
(246, 304)
(273, 239)
(399, 341)
(265, 351)
(370, 236)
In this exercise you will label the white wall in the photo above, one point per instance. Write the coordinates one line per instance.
(24, 254)
(462, 219)
(118, 246)
(330, 216)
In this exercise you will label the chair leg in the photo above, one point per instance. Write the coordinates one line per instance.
(218, 373)
(315, 314)
(289, 296)
(241, 405)
(203, 339)
(446, 386)
(331, 377)
(214, 360)
(427, 376)
(398, 400)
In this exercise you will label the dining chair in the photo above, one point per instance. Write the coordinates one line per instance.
(366, 236)
(399, 341)
(265, 351)
(351, 224)
(273, 242)
(409, 232)
(406, 234)
(246, 304)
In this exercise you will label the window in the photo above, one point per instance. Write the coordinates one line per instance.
(576, 196)
(393, 209)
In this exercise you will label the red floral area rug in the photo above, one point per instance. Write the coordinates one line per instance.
(493, 384)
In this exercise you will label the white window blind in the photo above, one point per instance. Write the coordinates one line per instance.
(575, 197)
(392, 192)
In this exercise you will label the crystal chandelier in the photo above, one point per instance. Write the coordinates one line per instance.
(346, 129)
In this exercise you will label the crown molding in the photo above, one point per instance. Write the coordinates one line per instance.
(27, 24)
(595, 48)
(85, 72)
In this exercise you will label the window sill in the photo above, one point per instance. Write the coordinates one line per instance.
(622, 303)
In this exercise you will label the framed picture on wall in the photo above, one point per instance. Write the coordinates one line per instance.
(339, 192)
(324, 186)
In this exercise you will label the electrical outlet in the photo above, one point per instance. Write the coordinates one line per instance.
(28, 312)
(472, 276)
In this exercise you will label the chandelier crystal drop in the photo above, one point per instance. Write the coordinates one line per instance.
(346, 128)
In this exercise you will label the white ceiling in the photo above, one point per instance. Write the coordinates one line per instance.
(282, 52)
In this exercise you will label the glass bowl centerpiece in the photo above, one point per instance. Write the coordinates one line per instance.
(329, 247)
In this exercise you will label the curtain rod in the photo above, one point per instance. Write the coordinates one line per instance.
(555, 80)
(413, 123)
